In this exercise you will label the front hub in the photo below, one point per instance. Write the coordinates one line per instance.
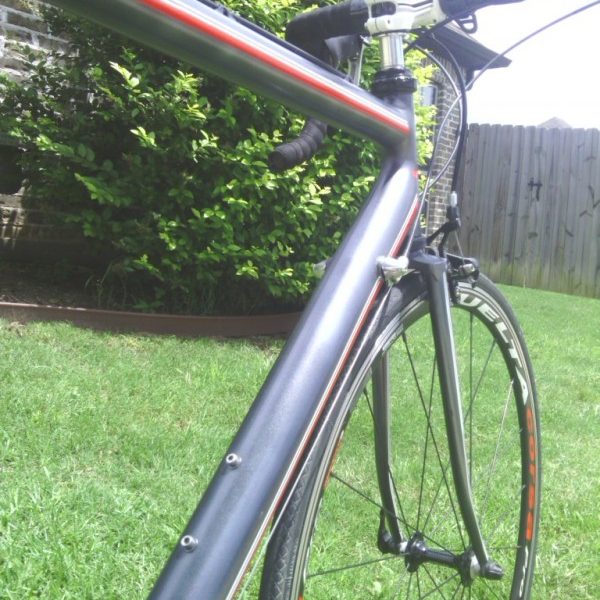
(418, 552)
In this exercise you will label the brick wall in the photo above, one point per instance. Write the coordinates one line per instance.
(438, 198)
(21, 29)
(26, 234)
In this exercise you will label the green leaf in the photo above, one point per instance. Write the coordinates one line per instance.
(147, 139)
(171, 172)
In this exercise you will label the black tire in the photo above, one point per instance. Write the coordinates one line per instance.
(338, 489)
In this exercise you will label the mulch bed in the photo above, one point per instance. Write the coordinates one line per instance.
(30, 293)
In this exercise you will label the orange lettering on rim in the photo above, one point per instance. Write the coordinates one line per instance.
(529, 534)
(531, 492)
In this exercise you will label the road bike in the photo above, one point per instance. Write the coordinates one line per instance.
(394, 449)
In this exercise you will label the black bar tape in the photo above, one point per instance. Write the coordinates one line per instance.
(327, 22)
(459, 8)
(299, 150)
(310, 31)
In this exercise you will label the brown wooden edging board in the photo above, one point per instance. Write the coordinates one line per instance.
(179, 325)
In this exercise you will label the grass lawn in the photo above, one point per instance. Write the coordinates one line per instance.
(107, 442)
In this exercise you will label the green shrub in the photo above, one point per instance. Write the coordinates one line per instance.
(163, 169)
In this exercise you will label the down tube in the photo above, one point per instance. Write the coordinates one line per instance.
(237, 508)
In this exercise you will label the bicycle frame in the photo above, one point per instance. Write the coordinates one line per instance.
(255, 477)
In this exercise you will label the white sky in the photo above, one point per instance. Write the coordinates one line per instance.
(556, 74)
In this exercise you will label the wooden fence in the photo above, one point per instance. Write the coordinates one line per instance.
(531, 206)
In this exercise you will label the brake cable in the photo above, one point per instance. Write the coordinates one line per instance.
(468, 85)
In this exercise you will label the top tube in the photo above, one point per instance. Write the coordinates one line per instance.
(204, 37)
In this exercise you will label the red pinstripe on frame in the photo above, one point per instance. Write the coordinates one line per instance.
(185, 15)
(400, 239)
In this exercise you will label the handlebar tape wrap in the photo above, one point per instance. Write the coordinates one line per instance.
(327, 22)
(462, 7)
(310, 32)
(302, 148)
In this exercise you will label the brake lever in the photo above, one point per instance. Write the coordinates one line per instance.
(355, 63)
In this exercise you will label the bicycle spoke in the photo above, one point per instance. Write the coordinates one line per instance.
(417, 480)
(491, 590)
(438, 587)
(364, 496)
(481, 377)
(397, 496)
(504, 516)
(434, 441)
(426, 445)
(410, 579)
(368, 499)
(472, 395)
(512, 548)
(470, 409)
(437, 492)
(495, 458)
(458, 588)
(380, 507)
(471, 319)
(409, 527)
(364, 563)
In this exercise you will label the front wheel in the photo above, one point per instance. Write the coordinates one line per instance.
(345, 534)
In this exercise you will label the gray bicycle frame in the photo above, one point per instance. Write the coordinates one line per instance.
(263, 460)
